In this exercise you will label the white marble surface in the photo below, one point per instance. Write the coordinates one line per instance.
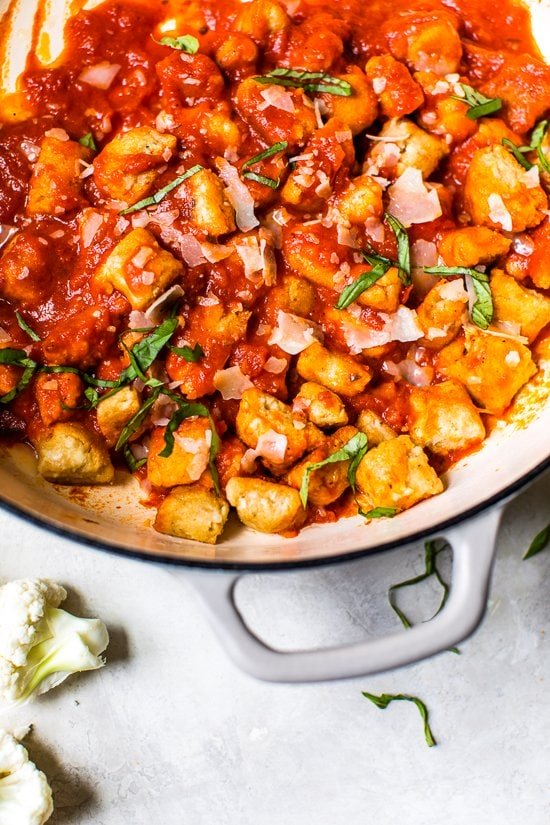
(171, 732)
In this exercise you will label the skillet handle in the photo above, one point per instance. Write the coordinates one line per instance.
(473, 547)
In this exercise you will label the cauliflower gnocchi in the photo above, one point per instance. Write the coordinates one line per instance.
(289, 259)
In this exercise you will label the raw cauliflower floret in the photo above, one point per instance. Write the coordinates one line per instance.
(189, 456)
(55, 186)
(68, 453)
(442, 312)
(375, 429)
(519, 305)
(443, 418)
(471, 246)
(142, 150)
(259, 413)
(193, 513)
(211, 212)
(417, 148)
(114, 413)
(138, 268)
(357, 110)
(492, 369)
(497, 195)
(322, 406)
(396, 475)
(264, 505)
(41, 645)
(327, 483)
(25, 796)
(338, 372)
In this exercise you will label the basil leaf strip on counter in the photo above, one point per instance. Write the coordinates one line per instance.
(431, 552)
(385, 699)
(355, 448)
(192, 354)
(380, 512)
(403, 249)
(186, 43)
(539, 543)
(479, 105)
(318, 82)
(352, 292)
(34, 336)
(483, 310)
(88, 141)
(158, 196)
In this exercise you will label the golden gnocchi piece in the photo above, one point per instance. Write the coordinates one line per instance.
(139, 268)
(322, 406)
(114, 412)
(211, 212)
(518, 305)
(491, 368)
(68, 453)
(142, 150)
(189, 457)
(472, 245)
(264, 505)
(443, 418)
(442, 313)
(327, 483)
(497, 193)
(395, 474)
(375, 429)
(417, 149)
(56, 183)
(192, 513)
(338, 372)
(358, 110)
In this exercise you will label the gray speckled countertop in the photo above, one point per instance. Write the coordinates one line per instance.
(171, 732)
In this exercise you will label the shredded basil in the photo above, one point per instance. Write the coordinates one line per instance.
(385, 699)
(137, 419)
(133, 463)
(483, 309)
(146, 351)
(26, 328)
(317, 82)
(431, 552)
(539, 543)
(380, 512)
(352, 292)
(17, 358)
(355, 448)
(267, 153)
(158, 196)
(185, 410)
(186, 43)
(88, 141)
(192, 354)
(479, 105)
(517, 152)
(403, 249)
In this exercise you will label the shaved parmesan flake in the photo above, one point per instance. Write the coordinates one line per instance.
(232, 382)
(275, 365)
(378, 85)
(512, 358)
(271, 446)
(498, 212)
(239, 197)
(531, 177)
(191, 250)
(5, 336)
(90, 222)
(248, 250)
(199, 448)
(101, 75)
(453, 291)
(401, 326)
(139, 320)
(411, 201)
(294, 334)
(57, 134)
(164, 303)
(214, 252)
(278, 98)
